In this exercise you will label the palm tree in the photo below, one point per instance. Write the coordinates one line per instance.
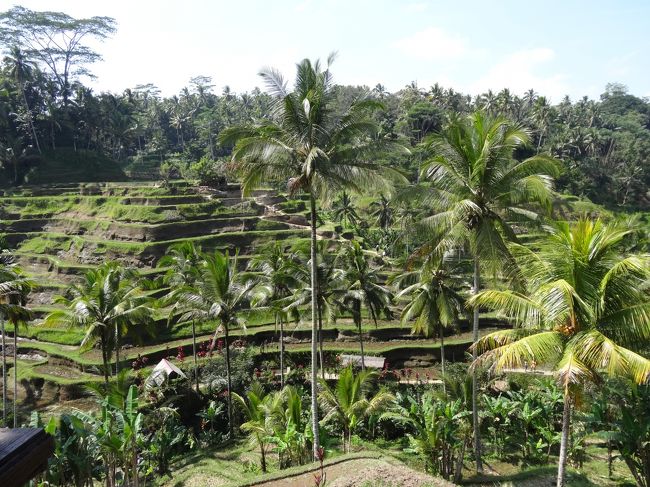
(219, 294)
(351, 400)
(363, 288)
(313, 148)
(582, 311)
(481, 187)
(106, 304)
(183, 261)
(433, 301)
(256, 423)
(13, 290)
(275, 279)
(382, 211)
(20, 68)
(344, 210)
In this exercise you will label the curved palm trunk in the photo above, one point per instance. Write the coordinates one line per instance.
(227, 345)
(15, 374)
(564, 443)
(4, 375)
(196, 363)
(475, 419)
(314, 329)
(281, 353)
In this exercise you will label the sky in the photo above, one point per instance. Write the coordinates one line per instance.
(557, 48)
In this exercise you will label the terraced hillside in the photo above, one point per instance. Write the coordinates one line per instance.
(58, 231)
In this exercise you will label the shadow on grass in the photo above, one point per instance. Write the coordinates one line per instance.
(537, 477)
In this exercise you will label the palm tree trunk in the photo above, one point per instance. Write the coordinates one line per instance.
(281, 353)
(227, 345)
(442, 359)
(564, 443)
(15, 373)
(196, 363)
(117, 350)
(4, 376)
(357, 313)
(475, 419)
(103, 346)
(320, 340)
(314, 328)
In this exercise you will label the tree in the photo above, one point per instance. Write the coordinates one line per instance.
(20, 69)
(382, 211)
(312, 148)
(13, 289)
(344, 210)
(220, 294)
(433, 300)
(480, 187)
(582, 311)
(363, 288)
(183, 260)
(56, 40)
(107, 303)
(277, 277)
(350, 401)
(256, 421)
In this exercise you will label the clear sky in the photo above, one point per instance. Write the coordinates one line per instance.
(556, 47)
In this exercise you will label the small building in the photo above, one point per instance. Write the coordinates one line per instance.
(163, 371)
(370, 362)
(24, 453)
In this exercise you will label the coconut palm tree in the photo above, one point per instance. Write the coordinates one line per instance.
(20, 69)
(363, 288)
(382, 211)
(479, 188)
(433, 300)
(344, 211)
(351, 400)
(107, 304)
(313, 148)
(219, 294)
(583, 311)
(14, 287)
(182, 260)
(276, 277)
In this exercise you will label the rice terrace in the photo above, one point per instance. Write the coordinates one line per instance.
(316, 282)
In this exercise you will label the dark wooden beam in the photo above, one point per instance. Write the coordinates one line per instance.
(23, 454)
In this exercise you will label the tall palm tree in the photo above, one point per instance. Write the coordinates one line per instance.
(382, 211)
(364, 288)
(107, 304)
(434, 301)
(219, 294)
(583, 311)
(14, 287)
(351, 400)
(312, 148)
(20, 69)
(183, 261)
(480, 188)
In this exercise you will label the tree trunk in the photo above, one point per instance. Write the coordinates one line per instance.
(263, 458)
(320, 340)
(314, 328)
(105, 360)
(442, 359)
(227, 345)
(196, 363)
(15, 373)
(475, 418)
(281, 353)
(357, 313)
(564, 443)
(29, 117)
(4, 375)
(117, 350)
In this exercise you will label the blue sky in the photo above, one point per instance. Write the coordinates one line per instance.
(555, 47)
